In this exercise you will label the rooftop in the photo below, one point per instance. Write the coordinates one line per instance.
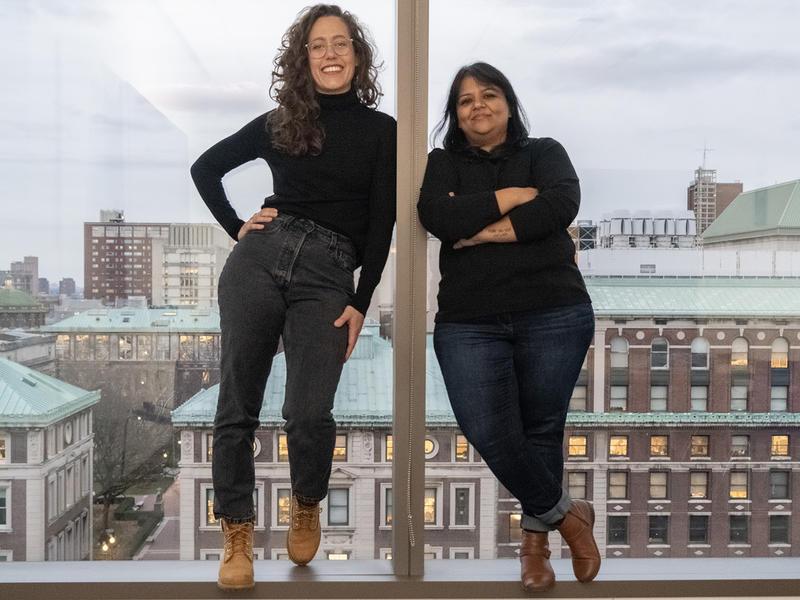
(773, 210)
(29, 398)
(163, 320)
(16, 299)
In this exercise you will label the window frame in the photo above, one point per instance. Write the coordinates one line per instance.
(470, 487)
(654, 353)
(6, 484)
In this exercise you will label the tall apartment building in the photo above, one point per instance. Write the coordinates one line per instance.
(46, 466)
(708, 198)
(66, 287)
(683, 431)
(22, 275)
(187, 265)
(118, 257)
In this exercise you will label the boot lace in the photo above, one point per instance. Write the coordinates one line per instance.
(238, 540)
(304, 517)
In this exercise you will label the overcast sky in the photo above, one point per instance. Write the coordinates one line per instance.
(106, 104)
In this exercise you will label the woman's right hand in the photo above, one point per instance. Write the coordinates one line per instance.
(511, 197)
(257, 221)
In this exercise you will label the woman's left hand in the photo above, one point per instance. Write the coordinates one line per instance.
(354, 321)
(475, 240)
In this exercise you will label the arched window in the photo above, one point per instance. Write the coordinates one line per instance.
(739, 349)
(659, 353)
(619, 353)
(699, 353)
(780, 354)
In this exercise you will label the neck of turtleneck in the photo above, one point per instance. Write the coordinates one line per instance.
(338, 101)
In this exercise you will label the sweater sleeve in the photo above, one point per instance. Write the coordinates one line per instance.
(382, 211)
(557, 203)
(224, 156)
(451, 218)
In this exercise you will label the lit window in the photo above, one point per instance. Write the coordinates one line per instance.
(284, 500)
(4, 446)
(658, 484)
(462, 448)
(431, 447)
(210, 519)
(340, 449)
(338, 506)
(738, 529)
(699, 400)
(780, 354)
(738, 397)
(83, 349)
(658, 398)
(619, 353)
(699, 445)
(283, 448)
(659, 445)
(740, 446)
(338, 556)
(739, 350)
(389, 448)
(698, 529)
(617, 485)
(514, 527)
(577, 402)
(658, 529)
(186, 347)
(101, 347)
(577, 445)
(779, 445)
(389, 500)
(63, 347)
(209, 446)
(144, 347)
(618, 445)
(779, 485)
(778, 398)
(700, 353)
(698, 485)
(659, 353)
(429, 507)
(619, 397)
(576, 485)
(617, 530)
(738, 487)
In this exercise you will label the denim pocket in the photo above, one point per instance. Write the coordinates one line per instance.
(342, 258)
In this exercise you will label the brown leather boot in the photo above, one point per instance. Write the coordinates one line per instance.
(576, 529)
(236, 564)
(302, 541)
(534, 556)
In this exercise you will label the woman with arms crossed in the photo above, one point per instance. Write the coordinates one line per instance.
(515, 320)
(332, 157)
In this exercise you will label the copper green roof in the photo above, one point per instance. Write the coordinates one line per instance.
(768, 211)
(139, 320)
(29, 398)
(695, 297)
(364, 398)
(16, 299)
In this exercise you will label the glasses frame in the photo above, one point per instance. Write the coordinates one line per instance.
(350, 48)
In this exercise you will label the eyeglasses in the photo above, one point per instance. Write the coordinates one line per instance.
(341, 47)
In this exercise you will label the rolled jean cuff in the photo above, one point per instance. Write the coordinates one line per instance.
(549, 520)
(308, 500)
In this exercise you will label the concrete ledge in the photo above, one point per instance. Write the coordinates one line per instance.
(619, 578)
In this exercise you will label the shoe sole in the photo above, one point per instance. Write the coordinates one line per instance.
(229, 588)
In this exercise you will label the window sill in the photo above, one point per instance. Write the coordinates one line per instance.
(185, 580)
(462, 527)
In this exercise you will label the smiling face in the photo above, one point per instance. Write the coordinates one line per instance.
(332, 73)
(483, 113)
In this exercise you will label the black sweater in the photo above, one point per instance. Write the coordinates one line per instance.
(537, 271)
(349, 187)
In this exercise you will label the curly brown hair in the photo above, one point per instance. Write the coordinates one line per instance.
(295, 125)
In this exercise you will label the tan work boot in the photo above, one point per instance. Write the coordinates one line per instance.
(534, 558)
(576, 529)
(236, 564)
(302, 541)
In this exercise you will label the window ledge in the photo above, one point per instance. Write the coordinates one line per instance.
(621, 578)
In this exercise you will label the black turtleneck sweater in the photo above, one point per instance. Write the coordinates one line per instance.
(538, 270)
(350, 187)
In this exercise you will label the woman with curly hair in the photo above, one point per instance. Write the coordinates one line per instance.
(332, 157)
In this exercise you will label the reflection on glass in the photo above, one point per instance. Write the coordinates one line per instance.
(659, 445)
(699, 445)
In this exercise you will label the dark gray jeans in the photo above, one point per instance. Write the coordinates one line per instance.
(292, 279)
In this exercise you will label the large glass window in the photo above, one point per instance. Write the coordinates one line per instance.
(658, 530)
(739, 352)
(698, 529)
(779, 485)
(619, 353)
(659, 353)
(779, 358)
(338, 506)
(617, 530)
(699, 350)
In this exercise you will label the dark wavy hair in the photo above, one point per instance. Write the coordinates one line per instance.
(486, 74)
(295, 125)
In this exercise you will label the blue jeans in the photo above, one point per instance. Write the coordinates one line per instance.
(291, 279)
(510, 377)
